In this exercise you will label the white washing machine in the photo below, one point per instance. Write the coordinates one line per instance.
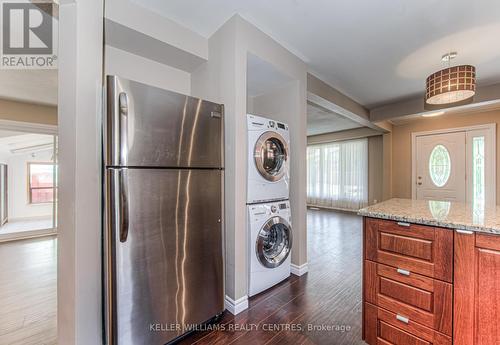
(270, 244)
(268, 160)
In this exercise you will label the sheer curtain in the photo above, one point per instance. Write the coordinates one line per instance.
(337, 174)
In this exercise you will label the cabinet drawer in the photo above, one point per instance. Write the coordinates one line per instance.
(383, 327)
(424, 300)
(417, 248)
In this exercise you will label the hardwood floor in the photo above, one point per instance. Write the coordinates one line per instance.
(321, 307)
(290, 313)
(28, 292)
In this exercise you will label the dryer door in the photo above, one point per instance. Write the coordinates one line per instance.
(274, 242)
(271, 155)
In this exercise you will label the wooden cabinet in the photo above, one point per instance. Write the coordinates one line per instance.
(383, 327)
(477, 289)
(408, 291)
(421, 249)
(427, 285)
(419, 298)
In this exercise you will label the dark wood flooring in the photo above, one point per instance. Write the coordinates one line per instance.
(328, 296)
(321, 307)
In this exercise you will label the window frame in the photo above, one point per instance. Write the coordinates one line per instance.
(30, 188)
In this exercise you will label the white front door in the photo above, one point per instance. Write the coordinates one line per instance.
(441, 167)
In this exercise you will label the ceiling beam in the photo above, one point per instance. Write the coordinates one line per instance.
(348, 134)
(320, 88)
(127, 39)
(486, 97)
(330, 99)
(333, 107)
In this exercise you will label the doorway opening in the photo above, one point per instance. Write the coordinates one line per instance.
(28, 181)
(457, 164)
(344, 158)
(29, 175)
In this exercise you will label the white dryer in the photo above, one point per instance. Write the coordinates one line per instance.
(268, 160)
(270, 244)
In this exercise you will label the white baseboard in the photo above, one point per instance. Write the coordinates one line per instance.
(299, 270)
(34, 218)
(22, 235)
(236, 307)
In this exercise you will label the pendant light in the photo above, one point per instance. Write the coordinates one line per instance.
(451, 85)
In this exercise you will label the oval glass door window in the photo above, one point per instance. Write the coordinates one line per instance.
(439, 165)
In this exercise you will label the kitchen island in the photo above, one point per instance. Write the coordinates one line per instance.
(431, 273)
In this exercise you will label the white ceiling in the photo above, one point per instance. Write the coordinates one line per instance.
(34, 86)
(373, 51)
(321, 121)
(11, 142)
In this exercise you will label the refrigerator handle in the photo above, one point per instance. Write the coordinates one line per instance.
(123, 108)
(118, 200)
(123, 204)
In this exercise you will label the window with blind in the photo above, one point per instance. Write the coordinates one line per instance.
(337, 174)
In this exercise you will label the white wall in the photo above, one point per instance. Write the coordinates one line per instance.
(223, 79)
(4, 157)
(215, 80)
(124, 64)
(79, 293)
(19, 206)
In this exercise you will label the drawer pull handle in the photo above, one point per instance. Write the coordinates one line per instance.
(402, 318)
(403, 272)
(403, 224)
(464, 232)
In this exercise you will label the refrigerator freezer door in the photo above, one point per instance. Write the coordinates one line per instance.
(169, 270)
(148, 126)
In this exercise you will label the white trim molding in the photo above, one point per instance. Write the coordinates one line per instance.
(30, 127)
(23, 235)
(236, 307)
(299, 270)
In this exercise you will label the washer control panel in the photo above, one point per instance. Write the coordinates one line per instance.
(255, 122)
(258, 211)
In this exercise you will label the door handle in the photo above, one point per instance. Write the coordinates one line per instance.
(123, 109)
(405, 224)
(119, 208)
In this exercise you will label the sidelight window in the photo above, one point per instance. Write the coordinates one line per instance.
(478, 194)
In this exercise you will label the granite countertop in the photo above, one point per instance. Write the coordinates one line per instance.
(446, 214)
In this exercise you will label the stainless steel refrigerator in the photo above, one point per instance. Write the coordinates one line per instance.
(163, 203)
